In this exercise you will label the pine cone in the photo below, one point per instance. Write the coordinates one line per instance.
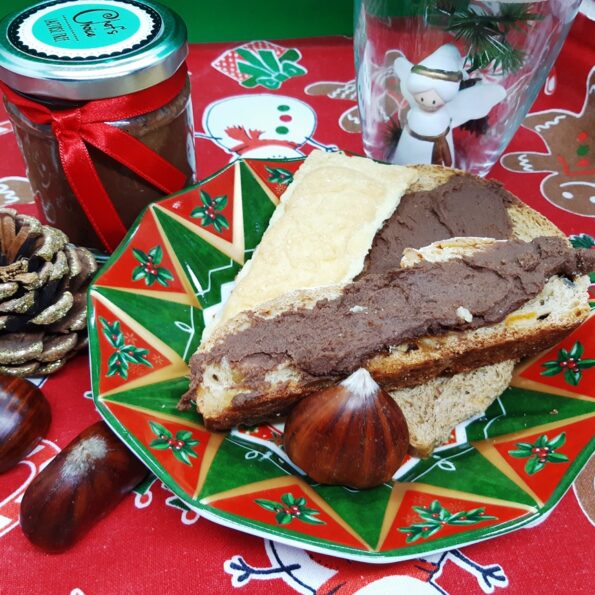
(43, 308)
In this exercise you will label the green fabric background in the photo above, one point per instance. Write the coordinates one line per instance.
(238, 20)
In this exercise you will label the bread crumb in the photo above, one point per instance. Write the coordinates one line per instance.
(358, 309)
(463, 313)
(401, 348)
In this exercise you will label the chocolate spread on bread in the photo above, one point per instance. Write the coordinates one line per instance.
(382, 310)
(463, 206)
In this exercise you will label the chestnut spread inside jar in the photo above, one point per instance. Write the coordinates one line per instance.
(72, 61)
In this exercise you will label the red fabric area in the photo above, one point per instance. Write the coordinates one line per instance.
(154, 547)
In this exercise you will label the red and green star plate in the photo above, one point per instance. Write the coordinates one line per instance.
(497, 473)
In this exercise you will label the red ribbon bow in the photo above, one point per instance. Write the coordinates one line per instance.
(87, 124)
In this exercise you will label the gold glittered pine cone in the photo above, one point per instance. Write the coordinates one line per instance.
(43, 307)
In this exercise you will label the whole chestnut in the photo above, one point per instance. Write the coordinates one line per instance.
(79, 487)
(351, 434)
(25, 418)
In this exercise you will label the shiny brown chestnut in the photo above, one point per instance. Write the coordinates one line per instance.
(351, 434)
(25, 418)
(79, 487)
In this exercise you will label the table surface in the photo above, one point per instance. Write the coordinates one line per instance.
(152, 543)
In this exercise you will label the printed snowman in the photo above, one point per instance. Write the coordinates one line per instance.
(261, 126)
(437, 105)
(308, 573)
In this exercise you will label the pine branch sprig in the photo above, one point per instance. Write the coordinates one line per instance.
(486, 35)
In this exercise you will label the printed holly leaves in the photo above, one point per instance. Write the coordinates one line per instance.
(210, 212)
(149, 268)
(279, 175)
(435, 516)
(541, 452)
(570, 363)
(120, 360)
(181, 445)
(582, 240)
(264, 68)
(289, 509)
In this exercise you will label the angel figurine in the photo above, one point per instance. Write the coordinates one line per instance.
(438, 104)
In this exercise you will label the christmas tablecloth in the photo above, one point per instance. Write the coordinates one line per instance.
(152, 543)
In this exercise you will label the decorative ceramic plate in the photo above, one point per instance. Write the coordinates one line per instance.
(498, 472)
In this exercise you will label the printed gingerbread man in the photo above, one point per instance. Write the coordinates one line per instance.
(570, 157)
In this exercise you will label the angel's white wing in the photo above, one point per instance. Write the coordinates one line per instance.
(474, 102)
(402, 68)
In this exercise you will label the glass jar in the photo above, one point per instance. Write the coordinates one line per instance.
(450, 82)
(148, 44)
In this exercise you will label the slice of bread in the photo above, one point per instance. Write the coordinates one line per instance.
(327, 219)
(226, 396)
(434, 408)
(306, 244)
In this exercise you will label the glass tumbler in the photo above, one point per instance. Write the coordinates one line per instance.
(449, 81)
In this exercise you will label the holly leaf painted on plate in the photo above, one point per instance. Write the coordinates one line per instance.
(557, 457)
(140, 256)
(159, 430)
(556, 442)
(307, 518)
(283, 518)
(268, 504)
(156, 254)
(288, 499)
(551, 371)
(182, 456)
(533, 465)
(436, 516)
(220, 202)
(573, 377)
(159, 444)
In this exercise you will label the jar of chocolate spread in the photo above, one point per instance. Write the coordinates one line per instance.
(99, 98)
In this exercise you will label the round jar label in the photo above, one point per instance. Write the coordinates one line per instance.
(84, 29)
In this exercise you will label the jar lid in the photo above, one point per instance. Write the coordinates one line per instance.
(90, 49)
